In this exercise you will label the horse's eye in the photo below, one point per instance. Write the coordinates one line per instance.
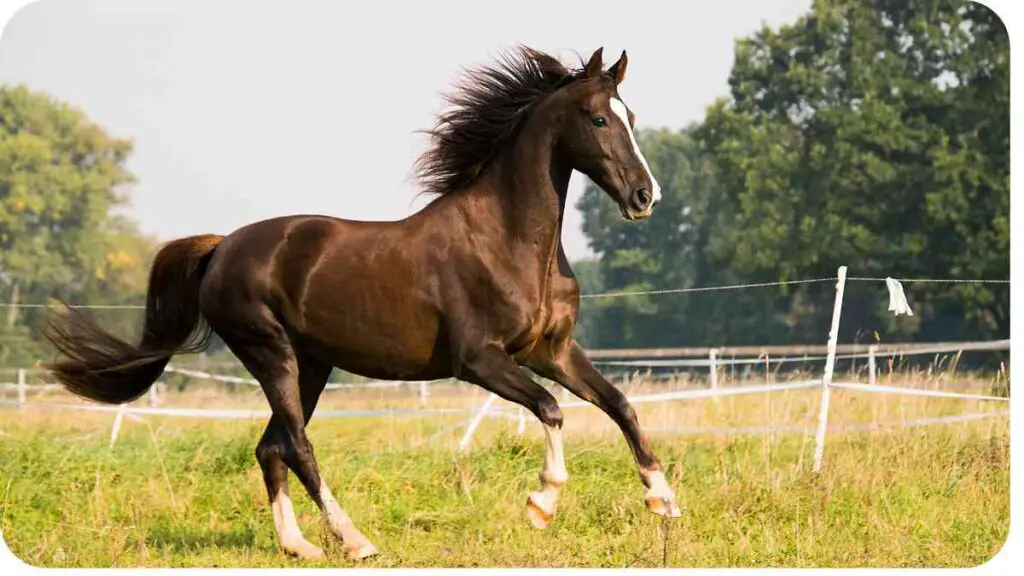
(599, 121)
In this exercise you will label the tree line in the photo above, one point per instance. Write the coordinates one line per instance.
(868, 133)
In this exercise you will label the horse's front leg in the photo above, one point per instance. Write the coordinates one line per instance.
(492, 369)
(571, 368)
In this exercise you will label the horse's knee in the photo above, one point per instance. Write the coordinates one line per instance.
(549, 413)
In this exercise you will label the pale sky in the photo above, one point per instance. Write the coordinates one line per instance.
(243, 110)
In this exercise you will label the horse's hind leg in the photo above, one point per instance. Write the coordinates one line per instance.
(292, 388)
(269, 453)
(313, 376)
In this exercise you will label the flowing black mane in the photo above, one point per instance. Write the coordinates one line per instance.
(488, 107)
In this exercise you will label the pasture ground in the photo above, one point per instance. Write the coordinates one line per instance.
(188, 492)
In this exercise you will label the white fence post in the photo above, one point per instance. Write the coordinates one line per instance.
(872, 368)
(152, 395)
(826, 379)
(22, 388)
(475, 423)
(522, 421)
(713, 368)
(116, 430)
(424, 393)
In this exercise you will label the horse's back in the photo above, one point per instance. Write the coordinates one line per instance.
(356, 293)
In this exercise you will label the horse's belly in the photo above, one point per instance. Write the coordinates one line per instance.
(378, 364)
(377, 335)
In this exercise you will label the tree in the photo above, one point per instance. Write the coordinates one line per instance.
(60, 178)
(873, 134)
(870, 133)
(588, 275)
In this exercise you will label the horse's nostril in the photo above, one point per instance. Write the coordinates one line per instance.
(642, 198)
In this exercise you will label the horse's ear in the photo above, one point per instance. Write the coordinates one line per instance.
(618, 70)
(594, 66)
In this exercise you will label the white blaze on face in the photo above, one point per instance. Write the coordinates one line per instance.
(619, 109)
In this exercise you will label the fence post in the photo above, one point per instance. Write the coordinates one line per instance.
(152, 395)
(826, 379)
(872, 370)
(116, 430)
(522, 421)
(424, 393)
(475, 423)
(713, 368)
(22, 388)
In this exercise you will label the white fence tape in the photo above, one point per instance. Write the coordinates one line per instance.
(720, 361)
(707, 393)
(857, 426)
(32, 387)
(247, 414)
(252, 382)
(651, 363)
(490, 410)
(882, 389)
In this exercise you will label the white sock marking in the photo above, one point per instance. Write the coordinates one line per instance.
(553, 475)
(659, 486)
(336, 517)
(285, 524)
(342, 526)
(619, 109)
(554, 458)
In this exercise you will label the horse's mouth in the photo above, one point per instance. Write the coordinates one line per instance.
(632, 215)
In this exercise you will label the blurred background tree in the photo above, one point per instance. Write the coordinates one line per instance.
(870, 133)
(61, 177)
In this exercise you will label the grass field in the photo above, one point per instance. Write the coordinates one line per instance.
(188, 492)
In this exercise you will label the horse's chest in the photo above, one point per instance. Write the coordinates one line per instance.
(529, 315)
(535, 325)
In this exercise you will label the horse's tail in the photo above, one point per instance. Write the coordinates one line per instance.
(102, 367)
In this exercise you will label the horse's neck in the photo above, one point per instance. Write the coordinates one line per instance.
(530, 190)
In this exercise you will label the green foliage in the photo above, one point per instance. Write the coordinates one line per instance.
(872, 134)
(60, 178)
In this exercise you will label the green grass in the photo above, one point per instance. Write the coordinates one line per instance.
(189, 492)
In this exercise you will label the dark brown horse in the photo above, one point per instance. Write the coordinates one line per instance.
(473, 286)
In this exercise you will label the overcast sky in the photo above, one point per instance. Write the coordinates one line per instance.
(243, 110)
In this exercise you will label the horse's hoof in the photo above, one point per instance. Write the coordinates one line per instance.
(304, 550)
(663, 506)
(539, 510)
(364, 551)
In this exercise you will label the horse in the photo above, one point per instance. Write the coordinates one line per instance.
(474, 286)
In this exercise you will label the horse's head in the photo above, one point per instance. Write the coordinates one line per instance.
(597, 139)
